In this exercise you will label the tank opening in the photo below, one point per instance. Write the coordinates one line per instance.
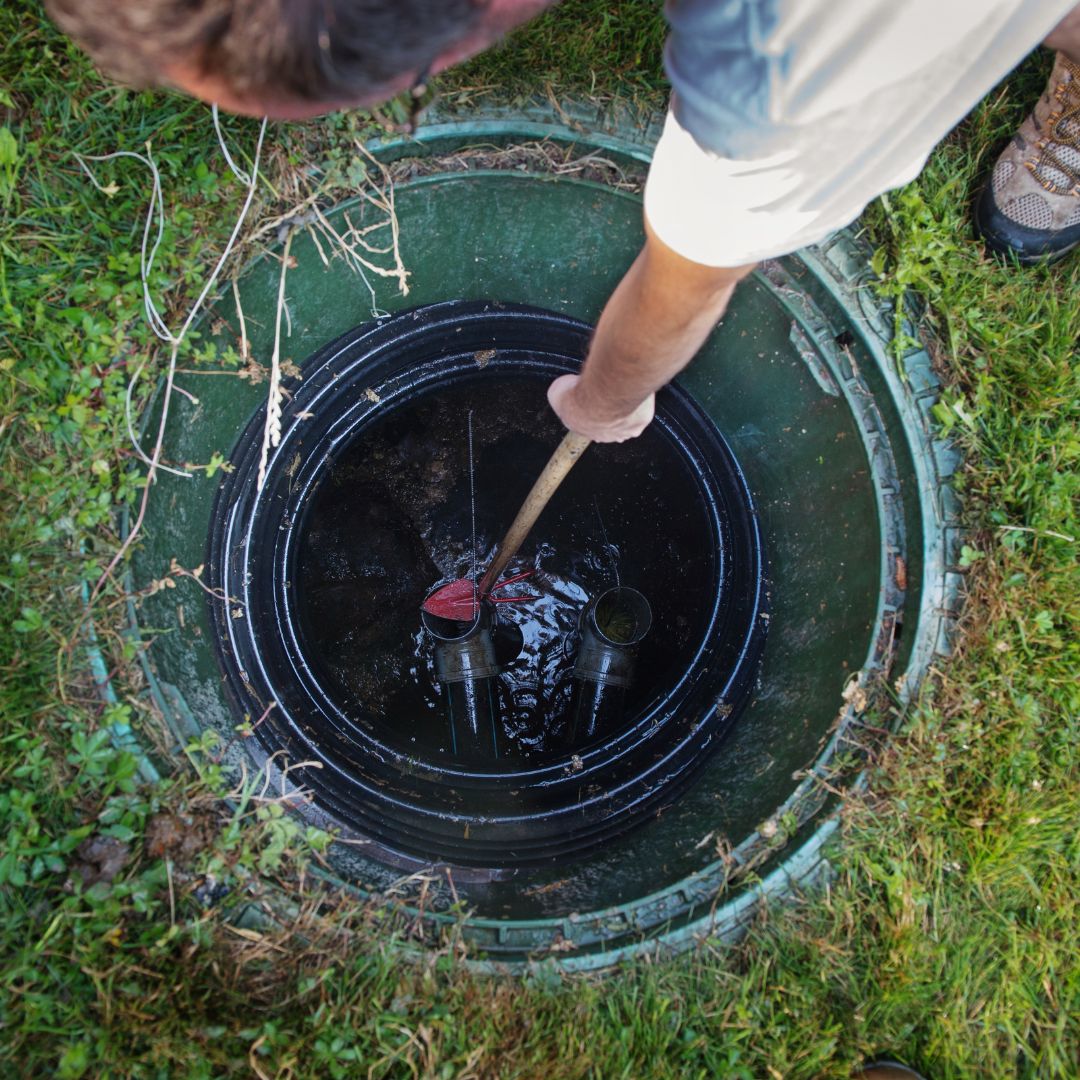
(391, 517)
(551, 722)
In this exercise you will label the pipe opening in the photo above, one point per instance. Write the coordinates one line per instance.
(620, 617)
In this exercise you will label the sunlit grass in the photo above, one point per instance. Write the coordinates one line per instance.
(948, 934)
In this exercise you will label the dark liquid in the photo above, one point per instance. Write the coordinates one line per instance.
(392, 521)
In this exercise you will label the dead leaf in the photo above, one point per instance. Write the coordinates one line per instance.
(855, 696)
(179, 837)
(101, 858)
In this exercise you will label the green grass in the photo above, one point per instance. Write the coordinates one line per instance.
(948, 937)
(580, 46)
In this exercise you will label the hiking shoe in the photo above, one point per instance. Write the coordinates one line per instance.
(1031, 206)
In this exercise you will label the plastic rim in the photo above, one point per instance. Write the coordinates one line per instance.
(837, 274)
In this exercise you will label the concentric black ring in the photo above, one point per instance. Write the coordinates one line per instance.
(434, 808)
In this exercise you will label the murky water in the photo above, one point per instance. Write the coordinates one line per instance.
(392, 521)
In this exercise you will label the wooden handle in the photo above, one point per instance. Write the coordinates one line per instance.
(562, 461)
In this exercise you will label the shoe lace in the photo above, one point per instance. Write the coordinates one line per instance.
(1063, 133)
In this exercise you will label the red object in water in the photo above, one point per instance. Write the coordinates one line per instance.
(460, 599)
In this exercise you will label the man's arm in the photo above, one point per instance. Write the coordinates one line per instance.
(656, 320)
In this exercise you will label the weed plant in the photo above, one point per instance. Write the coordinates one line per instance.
(947, 937)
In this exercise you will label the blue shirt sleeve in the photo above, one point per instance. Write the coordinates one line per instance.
(725, 74)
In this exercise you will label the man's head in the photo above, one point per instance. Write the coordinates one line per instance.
(286, 58)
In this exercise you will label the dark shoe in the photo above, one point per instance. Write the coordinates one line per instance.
(1030, 209)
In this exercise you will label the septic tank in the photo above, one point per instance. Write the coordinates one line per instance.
(787, 517)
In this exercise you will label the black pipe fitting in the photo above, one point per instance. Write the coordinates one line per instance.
(466, 668)
(612, 626)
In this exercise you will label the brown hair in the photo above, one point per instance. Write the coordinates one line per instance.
(315, 50)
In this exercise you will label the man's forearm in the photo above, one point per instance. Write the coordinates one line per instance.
(654, 323)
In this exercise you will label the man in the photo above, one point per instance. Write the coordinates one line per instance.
(788, 117)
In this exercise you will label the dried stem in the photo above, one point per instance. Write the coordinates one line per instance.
(272, 430)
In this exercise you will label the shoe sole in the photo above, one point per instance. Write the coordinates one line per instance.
(1006, 239)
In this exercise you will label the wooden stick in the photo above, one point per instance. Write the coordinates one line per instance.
(562, 461)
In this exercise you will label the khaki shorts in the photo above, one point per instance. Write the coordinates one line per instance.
(866, 89)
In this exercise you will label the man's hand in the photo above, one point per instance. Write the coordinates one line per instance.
(565, 397)
(657, 318)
